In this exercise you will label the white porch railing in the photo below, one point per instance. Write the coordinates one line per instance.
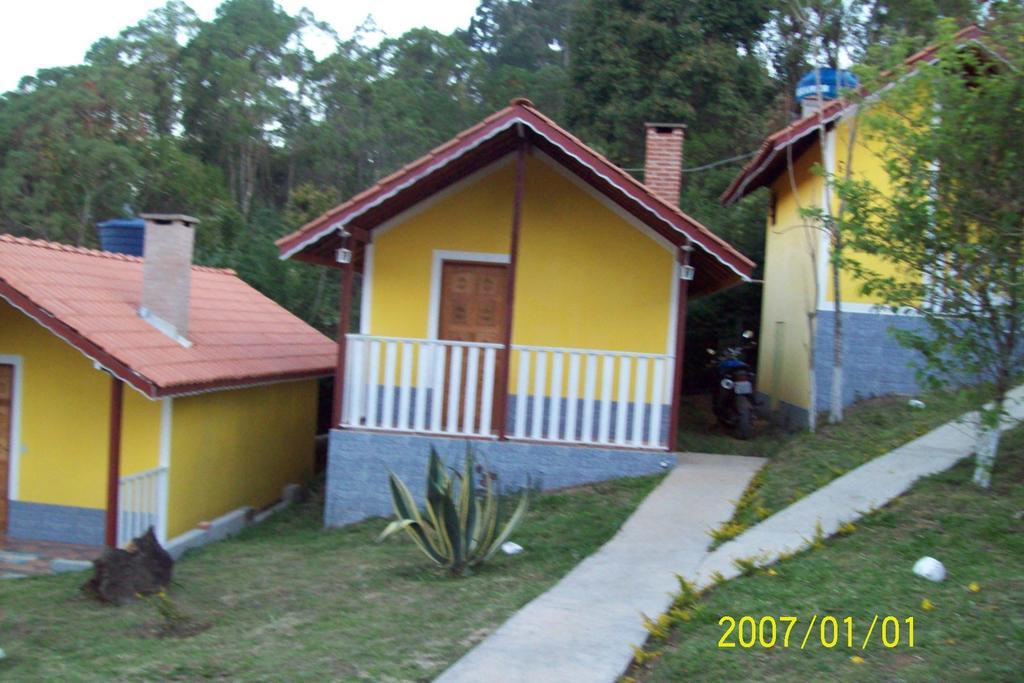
(563, 395)
(141, 504)
(452, 393)
(591, 397)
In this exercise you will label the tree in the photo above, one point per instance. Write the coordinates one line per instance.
(951, 221)
(236, 92)
(524, 50)
(64, 156)
(694, 62)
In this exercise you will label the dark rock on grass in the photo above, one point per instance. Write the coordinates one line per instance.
(143, 568)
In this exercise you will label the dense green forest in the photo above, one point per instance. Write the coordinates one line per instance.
(236, 121)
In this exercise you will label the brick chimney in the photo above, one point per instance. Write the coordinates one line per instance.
(167, 273)
(663, 161)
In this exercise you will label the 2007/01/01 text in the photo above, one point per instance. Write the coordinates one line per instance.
(828, 632)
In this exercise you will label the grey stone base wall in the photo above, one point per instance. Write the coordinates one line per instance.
(61, 523)
(874, 363)
(358, 463)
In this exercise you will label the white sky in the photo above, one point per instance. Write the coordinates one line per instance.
(35, 34)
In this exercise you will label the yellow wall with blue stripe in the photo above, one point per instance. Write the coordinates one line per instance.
(789, 273)
(228, 448)
(65, 405)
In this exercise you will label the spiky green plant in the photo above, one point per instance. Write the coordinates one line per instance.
(457, 530)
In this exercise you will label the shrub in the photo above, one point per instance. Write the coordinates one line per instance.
(456, 530)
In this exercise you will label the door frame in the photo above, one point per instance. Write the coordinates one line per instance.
(14, 437)
(436, 269)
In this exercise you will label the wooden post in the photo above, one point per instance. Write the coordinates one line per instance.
(677, 380)
(501, 386)
(114, 459)
(344, 307)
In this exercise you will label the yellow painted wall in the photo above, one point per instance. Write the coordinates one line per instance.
(64, 418)
(240, 447)
(586, 277)
(866, 153)
(789, 286)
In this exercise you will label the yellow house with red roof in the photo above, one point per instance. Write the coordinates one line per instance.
(797, 270)
(521, 295)
(145, 392)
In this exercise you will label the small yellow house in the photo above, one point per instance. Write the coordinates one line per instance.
(520, 293)
(145, 392)
(797, 268)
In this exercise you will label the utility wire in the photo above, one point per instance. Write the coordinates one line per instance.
(705, 167)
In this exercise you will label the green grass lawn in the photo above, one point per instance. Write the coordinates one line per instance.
(966, 635)
(288, 600)
(801, 462)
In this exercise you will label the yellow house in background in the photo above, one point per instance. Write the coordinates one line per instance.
(219, 411)
(520, 295)
(797, 270)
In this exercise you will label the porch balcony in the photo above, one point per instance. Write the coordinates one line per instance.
(452, 388)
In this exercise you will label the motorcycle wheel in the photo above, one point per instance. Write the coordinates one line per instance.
(744, 416)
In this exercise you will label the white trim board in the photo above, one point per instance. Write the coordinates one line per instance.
(437, 265)
(876, 309)
(14, 458)
(366, 291)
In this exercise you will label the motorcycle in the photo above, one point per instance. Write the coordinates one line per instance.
(734, 401)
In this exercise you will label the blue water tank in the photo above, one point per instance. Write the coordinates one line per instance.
(832, 81)
(122, 235)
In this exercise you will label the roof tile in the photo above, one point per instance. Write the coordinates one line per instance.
(239, 335)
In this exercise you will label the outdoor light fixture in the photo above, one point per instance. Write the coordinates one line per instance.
(344, 254)
(686, 271)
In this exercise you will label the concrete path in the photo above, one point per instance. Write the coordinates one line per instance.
(584, 627)
(849, 497)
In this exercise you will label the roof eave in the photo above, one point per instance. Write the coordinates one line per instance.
(293, 245)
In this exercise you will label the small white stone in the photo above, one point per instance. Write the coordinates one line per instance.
(930, 568)
(510, 548)
(664, 464)
(915, 403)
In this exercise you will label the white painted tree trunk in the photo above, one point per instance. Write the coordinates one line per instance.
(836, 412)
(987, 445)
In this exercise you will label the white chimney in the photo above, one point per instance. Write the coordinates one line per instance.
(810, 105)
(167, 273)
(663, 160)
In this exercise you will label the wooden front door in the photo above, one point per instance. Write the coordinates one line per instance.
(474, 303)
(6, 410)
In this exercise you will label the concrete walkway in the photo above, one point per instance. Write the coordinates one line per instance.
(852, 495)
(584, 627)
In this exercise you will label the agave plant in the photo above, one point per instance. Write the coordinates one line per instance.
(457, 530)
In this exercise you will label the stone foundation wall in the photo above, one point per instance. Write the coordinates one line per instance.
(358, 463)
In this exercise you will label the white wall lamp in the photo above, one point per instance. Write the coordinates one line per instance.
(687, 271)
(344, 254)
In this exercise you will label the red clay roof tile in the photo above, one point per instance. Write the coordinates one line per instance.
(91, 299)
